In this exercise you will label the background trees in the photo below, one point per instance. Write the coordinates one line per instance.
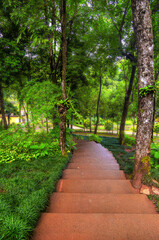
(57, 55)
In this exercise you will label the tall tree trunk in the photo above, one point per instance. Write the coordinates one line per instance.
(20, 109)
(27, 116)
(8, 119)
(47, 125)
(71, 121)
(4, 121)
(126, 105)
(144, 41)
(97, 114)
(90, 129)
(63, 107)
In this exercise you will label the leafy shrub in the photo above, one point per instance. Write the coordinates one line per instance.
(129, 141)
(155, 174)
(71, 145)
(101, 121)
(21, 145)
(87, 123)
(156, 128)
(94, 137)
(155, 199)
(147, 179)
(79, 137)
(108, 125)
(17, 144)
(154, 156)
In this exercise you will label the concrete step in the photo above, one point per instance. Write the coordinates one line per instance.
(97, 153)
(94, 186)
(93, 160)
(93, 174)
(93, 166)
(57, 226)
(100, 203)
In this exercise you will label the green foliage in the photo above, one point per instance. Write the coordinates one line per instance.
(143, 92)
(124, 158)
(79, 137)
(24, 193)
(154, 156)
(86, 123)
(155, 174)
(155, 199)
(147, 179)
(156, 128)
(71, 145)
(129, 141)
(10, 108)
(94, 137)
(108, 125)
(17, 144)
(42, 99)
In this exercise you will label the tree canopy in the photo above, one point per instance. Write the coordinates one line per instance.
(66, 59)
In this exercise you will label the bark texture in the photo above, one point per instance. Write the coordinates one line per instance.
(63, 107)
(126, 104)
(4, 121)
(144, 41)
(97, 113)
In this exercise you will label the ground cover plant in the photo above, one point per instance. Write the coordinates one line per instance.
(95, 138)
(28, 177)
(125, 157)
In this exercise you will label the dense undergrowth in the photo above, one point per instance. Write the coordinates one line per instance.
(27, 182)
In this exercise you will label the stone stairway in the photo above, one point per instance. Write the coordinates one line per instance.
(94, 201)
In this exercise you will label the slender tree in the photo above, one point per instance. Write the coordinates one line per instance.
(144, 41)
(63, 106)
(97, 113)
(126, 104)
(2, 108)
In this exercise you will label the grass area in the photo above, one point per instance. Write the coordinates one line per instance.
(25, 188)
(87, 133)
(125, 158)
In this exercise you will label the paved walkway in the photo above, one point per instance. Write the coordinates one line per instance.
(94, 201)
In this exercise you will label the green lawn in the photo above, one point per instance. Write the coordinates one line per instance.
(25, 188)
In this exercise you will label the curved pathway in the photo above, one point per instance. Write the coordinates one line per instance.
(94, 201)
